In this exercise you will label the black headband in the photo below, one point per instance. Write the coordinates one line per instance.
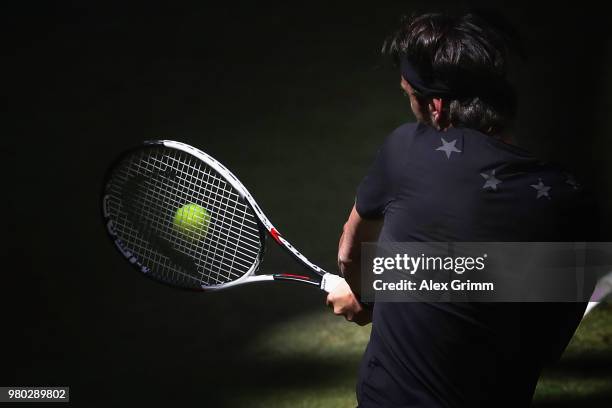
(491, 88)
(426, 88)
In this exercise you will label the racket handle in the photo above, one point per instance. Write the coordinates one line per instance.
(329, 281)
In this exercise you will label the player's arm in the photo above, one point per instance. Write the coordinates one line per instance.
(356, 230)
(343, 299)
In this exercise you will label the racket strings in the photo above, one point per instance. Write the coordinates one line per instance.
(224, 226)
(148, 189)
(214, 246)
(219, 204)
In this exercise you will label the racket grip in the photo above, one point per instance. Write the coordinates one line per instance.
(330, 281)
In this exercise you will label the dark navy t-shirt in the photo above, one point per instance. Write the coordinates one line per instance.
(462, 185)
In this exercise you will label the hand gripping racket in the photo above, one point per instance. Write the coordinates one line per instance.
(180, 217)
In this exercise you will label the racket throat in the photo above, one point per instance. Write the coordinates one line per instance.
(296, 278)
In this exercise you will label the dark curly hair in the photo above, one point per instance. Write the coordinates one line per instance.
(469, 54)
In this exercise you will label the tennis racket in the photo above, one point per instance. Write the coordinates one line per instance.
(222, 246)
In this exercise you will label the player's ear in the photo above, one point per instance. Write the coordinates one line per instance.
(435, 107)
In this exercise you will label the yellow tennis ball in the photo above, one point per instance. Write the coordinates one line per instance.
(191, 221)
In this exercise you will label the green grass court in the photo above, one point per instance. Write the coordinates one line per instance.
(326, 351)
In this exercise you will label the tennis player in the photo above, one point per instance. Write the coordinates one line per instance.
(456, 175)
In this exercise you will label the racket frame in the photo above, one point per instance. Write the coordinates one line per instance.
(324, 280)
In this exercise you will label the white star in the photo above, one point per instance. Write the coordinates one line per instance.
(448, 147)
(541, 189)
(572, 181)
(491, 181)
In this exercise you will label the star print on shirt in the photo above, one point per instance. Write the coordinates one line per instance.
(490, 180)
(448, 147)
(572, 181)
(541, 189)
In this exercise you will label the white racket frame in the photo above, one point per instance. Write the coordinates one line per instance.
(328, 280)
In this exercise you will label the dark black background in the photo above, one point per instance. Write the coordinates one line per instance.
(294, 99)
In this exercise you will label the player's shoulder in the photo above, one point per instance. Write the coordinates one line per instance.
(406, 129)
(401, 137)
